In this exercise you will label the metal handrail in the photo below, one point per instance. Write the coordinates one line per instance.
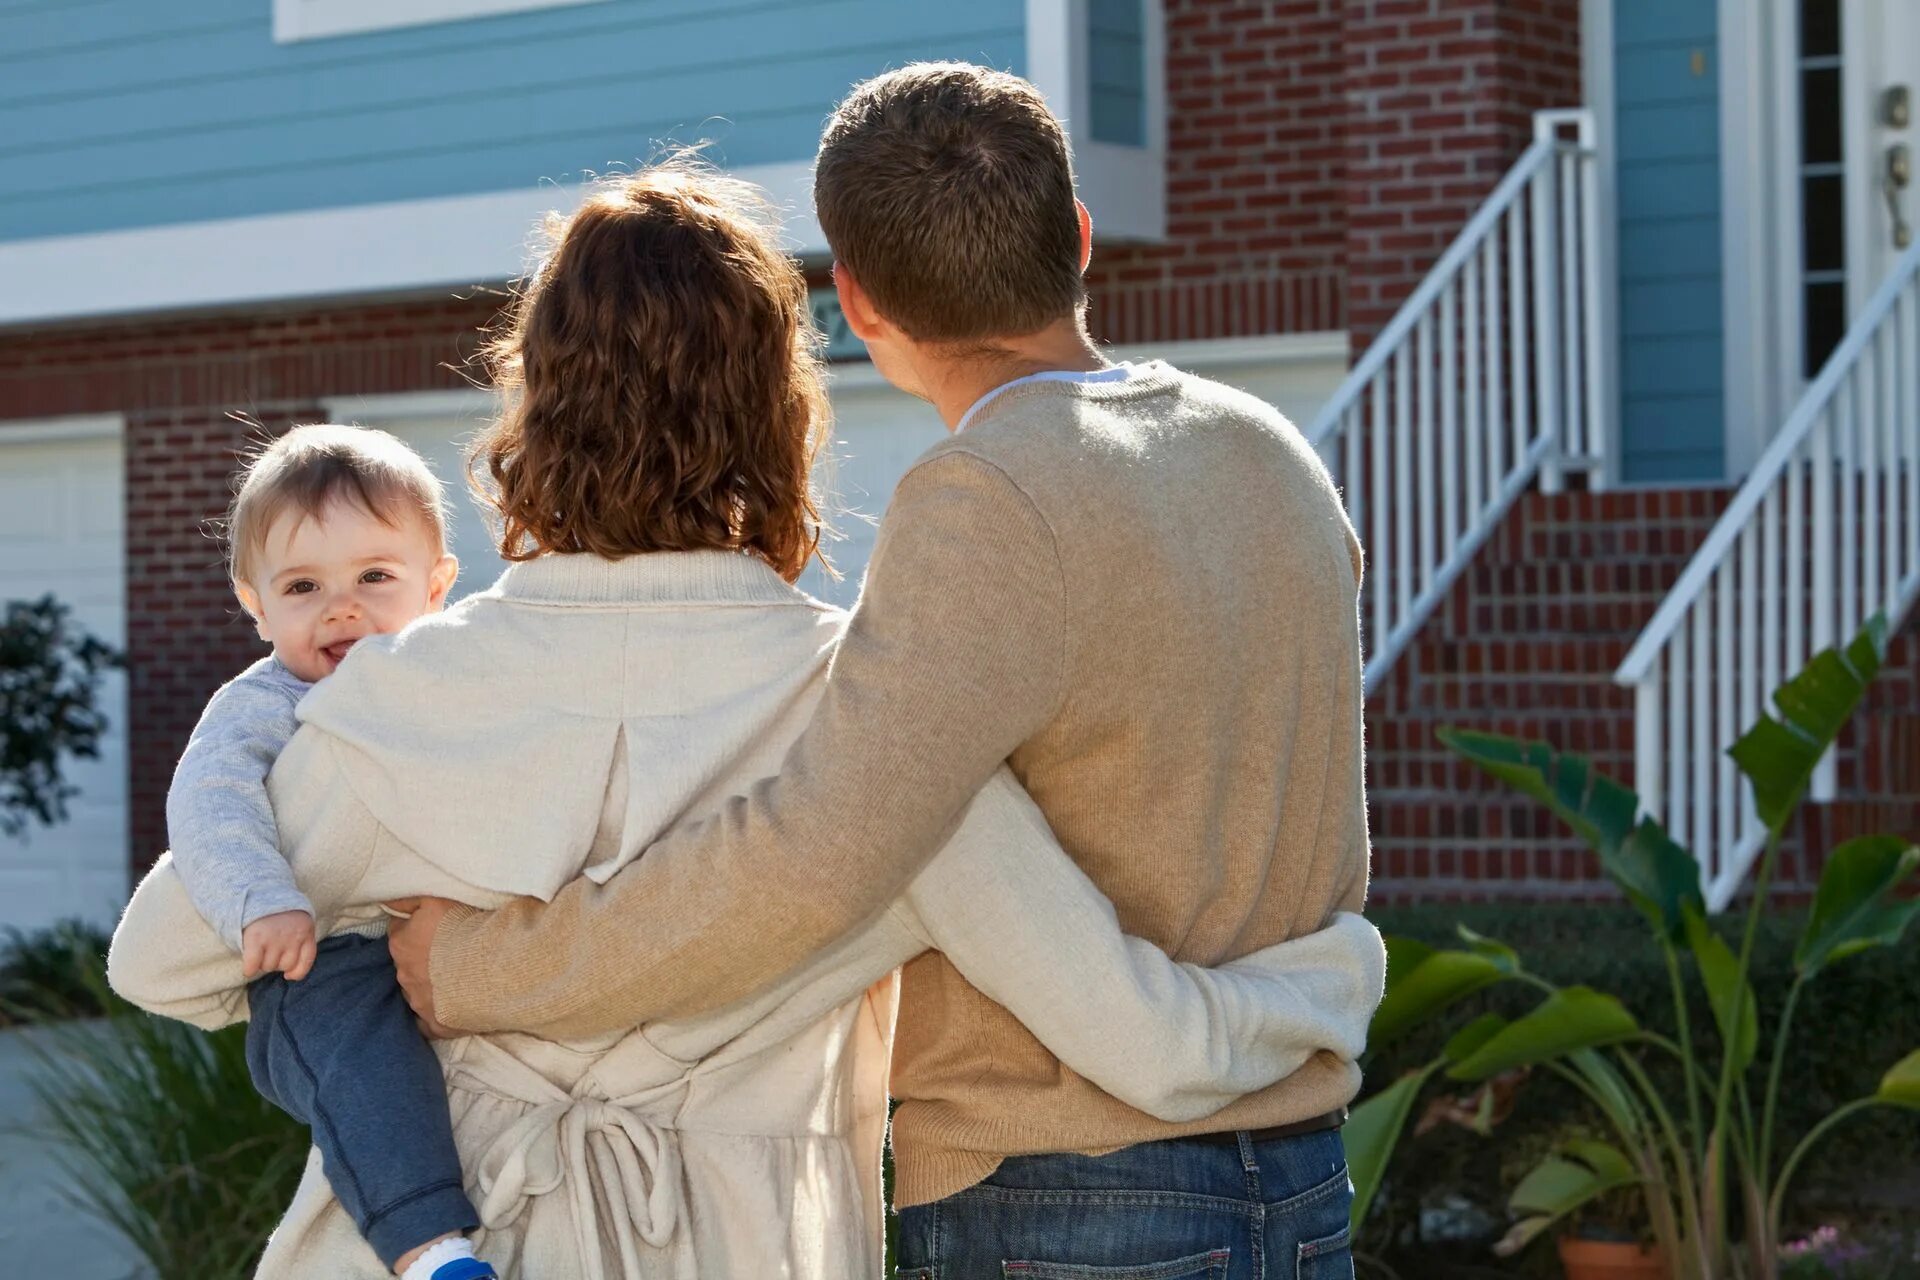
(1489, 377)
(1772, 464)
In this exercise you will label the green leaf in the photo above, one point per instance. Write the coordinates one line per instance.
(1900, 1087)
(1422, 982)
(1605, 1160)
(1558, 1185)
(1491, 948)
(1728, 991)
(1778, 755)
(1468, 1039)
(1657, 875)
(1854, 908)
(1373, 1130)
(1575, 1018)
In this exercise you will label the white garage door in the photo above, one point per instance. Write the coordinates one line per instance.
(62, 510)
(877, 433)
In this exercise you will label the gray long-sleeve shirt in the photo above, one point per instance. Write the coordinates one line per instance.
(219, 820)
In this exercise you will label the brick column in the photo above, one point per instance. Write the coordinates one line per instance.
(1440, 96)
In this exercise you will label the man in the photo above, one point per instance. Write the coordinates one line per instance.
(1136, 586)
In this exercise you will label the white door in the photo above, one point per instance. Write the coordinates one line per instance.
(1882, 43)
(1845, 73)
(62, 513)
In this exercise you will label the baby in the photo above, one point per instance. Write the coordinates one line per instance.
(337, 533)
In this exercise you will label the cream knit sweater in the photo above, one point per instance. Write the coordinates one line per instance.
(552, 728)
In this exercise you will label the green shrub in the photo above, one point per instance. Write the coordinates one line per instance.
(45, 974)
(166, 1139)
(1864, 1014)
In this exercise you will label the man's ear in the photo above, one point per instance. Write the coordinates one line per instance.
(250, 601)
(440, 581)
(1086, 235)
(856, 306)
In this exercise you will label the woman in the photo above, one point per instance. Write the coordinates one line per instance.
(646, 659)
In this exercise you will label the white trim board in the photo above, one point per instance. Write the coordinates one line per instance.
(315, 19)
(448, 241)
(82, 426)
(1753, 131)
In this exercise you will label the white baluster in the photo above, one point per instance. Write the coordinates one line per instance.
(1546, 316)
(1748, 665)
(1867, 433)
(1403, 510)
(1449, 423)
(1824, 595)
(1572, 337)
(1377, 549)
(1518, 330)
(1423, 380)
(1679, 700)
(1496, 381)
(1700, 717)
(1599, 414)
(1649, 735)
(1474, 426)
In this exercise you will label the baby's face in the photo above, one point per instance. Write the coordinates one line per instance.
(322, 584)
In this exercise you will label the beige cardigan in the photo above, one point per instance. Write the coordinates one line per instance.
(555, 725)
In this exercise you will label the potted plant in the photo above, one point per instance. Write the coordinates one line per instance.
(1690, 1150)
(1607, 1239)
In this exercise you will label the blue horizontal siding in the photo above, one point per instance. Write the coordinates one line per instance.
(189, 110)
(1667, 132)
(1682, 188)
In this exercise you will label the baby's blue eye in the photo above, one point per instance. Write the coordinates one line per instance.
(376, 575)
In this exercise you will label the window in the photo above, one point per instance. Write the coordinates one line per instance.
(315, 19)
(1823, 198)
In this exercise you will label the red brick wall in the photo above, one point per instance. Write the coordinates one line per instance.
(1440, 96)
(177, 380)
(1526, 644)
(1321, 154)
(1255, 241)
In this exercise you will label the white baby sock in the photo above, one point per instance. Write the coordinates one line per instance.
(437, 1256)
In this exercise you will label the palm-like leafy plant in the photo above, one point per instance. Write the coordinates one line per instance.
(1694, 1154)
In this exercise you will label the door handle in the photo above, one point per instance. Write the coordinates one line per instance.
(1899, 176)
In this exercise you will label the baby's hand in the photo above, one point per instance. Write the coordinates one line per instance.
(279, 943)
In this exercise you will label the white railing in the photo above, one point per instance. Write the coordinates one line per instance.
(1823, 534)
(1491, 374)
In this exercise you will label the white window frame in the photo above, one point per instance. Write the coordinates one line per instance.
(295, 20)
(1124, 187)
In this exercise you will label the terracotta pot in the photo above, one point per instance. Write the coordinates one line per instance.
(1609, 1260)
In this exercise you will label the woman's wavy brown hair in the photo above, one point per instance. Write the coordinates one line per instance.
(664, 391)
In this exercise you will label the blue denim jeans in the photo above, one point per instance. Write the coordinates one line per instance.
(338, 1050)
(1174, 1210)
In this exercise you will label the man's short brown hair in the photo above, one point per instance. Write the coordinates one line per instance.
(947, 190)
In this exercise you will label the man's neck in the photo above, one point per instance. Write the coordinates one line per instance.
(955, 384)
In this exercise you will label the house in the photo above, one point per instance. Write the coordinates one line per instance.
(1598, 309)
